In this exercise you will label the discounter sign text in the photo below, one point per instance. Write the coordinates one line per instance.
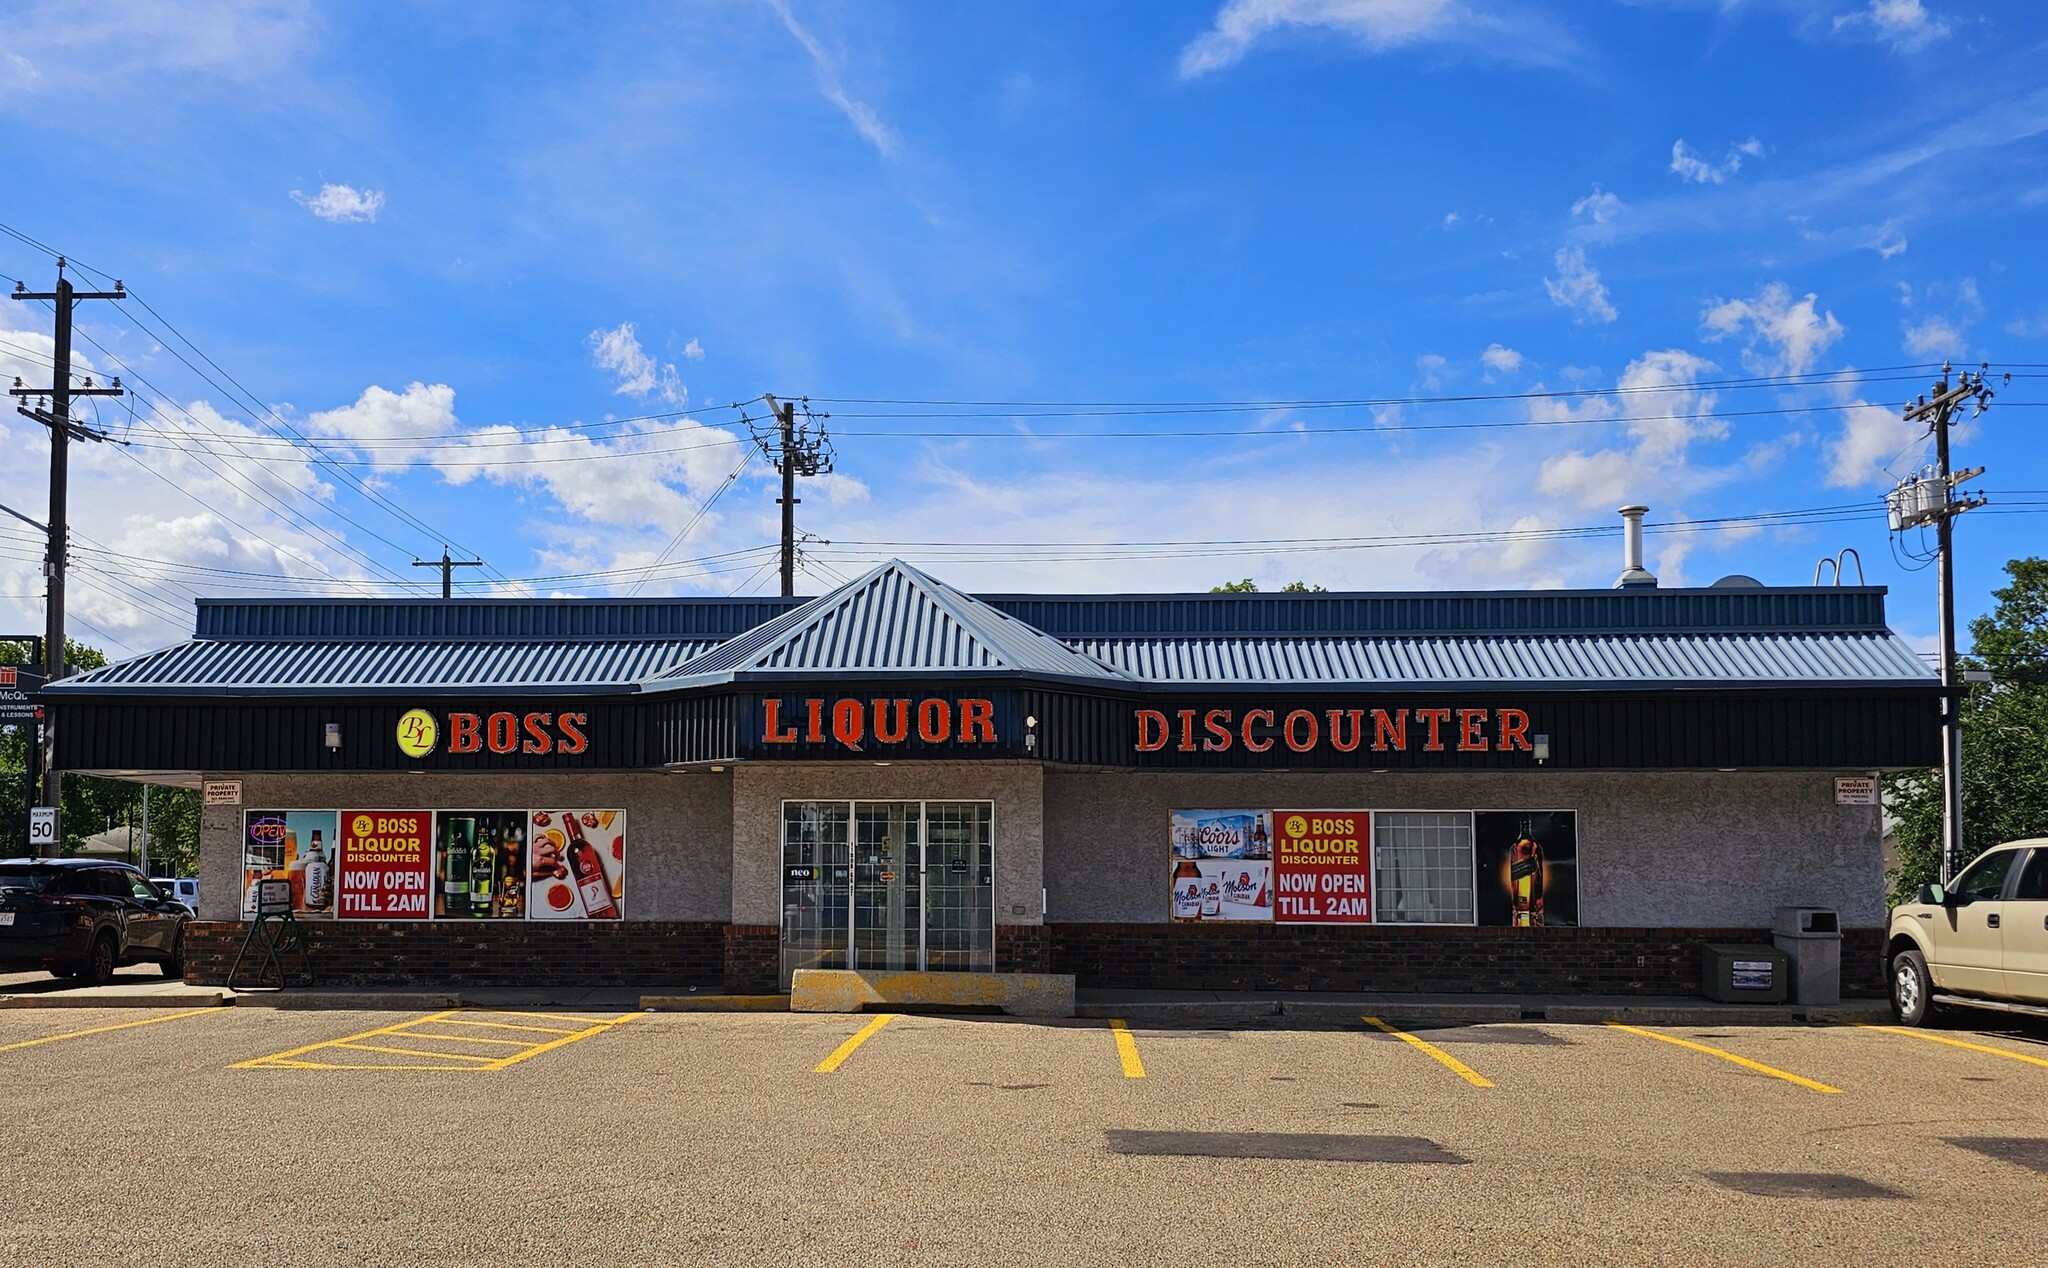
(1322, 867)
(386, 865)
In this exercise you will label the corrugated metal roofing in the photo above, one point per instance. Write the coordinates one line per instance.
(894, 619)
(1546, 660)
(236, 665)
(332, 620)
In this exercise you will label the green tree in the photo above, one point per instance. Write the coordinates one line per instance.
(2005, 740)
(1248, 586)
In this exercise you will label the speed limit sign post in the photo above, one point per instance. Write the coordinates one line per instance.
(42, 831)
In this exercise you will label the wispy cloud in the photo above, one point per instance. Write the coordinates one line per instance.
(1376, 26)
(1906, 25)
(339, 204)
(831, 83)
(639, 373)
(1691, 167)
(1786, 336)
(1578, 287)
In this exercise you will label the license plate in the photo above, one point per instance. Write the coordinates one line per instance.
(6, 917)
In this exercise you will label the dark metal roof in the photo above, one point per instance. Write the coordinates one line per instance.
(234, 667)
(331, 620)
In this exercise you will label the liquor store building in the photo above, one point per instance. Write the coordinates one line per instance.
(1541, 791)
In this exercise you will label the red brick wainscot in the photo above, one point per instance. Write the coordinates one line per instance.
(1548, 961)
(377, 953)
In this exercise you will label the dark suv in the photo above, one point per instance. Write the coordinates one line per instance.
(84, 918)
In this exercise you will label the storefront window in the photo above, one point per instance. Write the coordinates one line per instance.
(815, 862)
(1422, 867)
(960, 908)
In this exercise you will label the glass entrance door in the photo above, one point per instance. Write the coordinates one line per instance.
(887, 885)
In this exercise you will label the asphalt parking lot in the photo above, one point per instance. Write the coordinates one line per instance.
(248, 1135)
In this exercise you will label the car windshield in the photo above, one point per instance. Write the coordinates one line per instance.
(19, 876)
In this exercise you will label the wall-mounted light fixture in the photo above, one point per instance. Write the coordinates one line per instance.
(1540, 749)
(1031, 734)
(333, 737)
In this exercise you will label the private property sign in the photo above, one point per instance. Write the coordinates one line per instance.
(1857, 791)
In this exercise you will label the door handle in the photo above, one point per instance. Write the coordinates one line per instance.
(1991, 921)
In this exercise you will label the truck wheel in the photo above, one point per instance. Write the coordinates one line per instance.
(1912, 989)
(173, 965)
(100, 961)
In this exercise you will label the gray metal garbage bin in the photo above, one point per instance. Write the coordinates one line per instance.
(1811, 938)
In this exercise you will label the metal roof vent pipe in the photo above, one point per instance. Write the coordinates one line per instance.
(1633, 574)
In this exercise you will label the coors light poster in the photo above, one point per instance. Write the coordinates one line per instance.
(1526, 863)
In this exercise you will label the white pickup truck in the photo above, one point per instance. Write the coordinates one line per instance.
(1979, 942)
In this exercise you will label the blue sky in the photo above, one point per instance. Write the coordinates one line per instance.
(450, 252)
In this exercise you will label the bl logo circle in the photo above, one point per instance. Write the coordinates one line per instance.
(1297, 827)
(418, 733)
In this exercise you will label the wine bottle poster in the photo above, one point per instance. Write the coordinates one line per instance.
(1221, 865)
(480, 864)
(576, 868)
(1322, 867)
(290, 845)
(1526, 863)
(385, 865)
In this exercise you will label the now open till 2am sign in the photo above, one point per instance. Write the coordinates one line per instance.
(1322, 867)
(386, 865)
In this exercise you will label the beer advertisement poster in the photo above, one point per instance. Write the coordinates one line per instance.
(290, 845)
(1322, 867)
(1222, 865)
(480, 864)
(386, 865)
(1526, 863)
(577, 865)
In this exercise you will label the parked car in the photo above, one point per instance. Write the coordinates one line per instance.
(1979, 942)
(84, 918)
(183, 888)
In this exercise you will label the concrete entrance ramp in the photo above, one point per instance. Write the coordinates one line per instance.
(855, 990)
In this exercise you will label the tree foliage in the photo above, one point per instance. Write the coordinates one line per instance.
(1248, 586)
(2005, 740)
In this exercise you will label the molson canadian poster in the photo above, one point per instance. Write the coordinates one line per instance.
(1526, 863)
(577, 865)
(1222, 866)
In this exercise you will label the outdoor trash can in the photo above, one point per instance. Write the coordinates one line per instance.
(1743, 975)
(1812, 938)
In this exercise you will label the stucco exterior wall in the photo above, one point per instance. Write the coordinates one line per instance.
(678, 827)
(760, 788)
(1681, 850)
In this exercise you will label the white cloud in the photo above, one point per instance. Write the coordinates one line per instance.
(1505, 360)
(1871, 436)
(640, 374)
(1794, 332)
(339, 204)
(1665, 420)
(693, 351)
(380, 414)
(1452, 219)
(1429, 370)
(1889, 241)
(1691, 167)
(1906, 25)
(1947, 312)
(57, 42)
(1579, 288)
(1599, 206)
(1935, 337)
(1376, 26)
(832, 85)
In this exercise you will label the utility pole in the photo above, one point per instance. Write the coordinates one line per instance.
(796, 449)
(1930, 498)
(58, 419)
(447, 567)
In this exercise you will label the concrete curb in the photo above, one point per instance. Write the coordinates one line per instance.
(379, 1002)
(715, 1003)
(186, 999)
(1188, 1013)
(1413, 1014)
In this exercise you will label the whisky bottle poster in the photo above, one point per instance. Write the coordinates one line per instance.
(576, 865)
(1220, 865)
(480, 864)
(1322, 867)
(290, 845)
(1526, 865)
(385, 865)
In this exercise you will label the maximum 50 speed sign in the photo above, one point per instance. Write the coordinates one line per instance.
(42, 828)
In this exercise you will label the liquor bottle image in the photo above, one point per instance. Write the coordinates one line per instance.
(1187, 891)
(511, 878)
(319, 876)
(1525, 879)
(458, 852)
(587, 870)
(481, 872)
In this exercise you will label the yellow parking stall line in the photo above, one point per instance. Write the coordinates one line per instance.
(1954, 1043)
(255, 1063)
(496, 1025)
(410, 1052)
(1127, 1049)
(509, 1012)
(847, 1049)
(1449, 1062)
(1744, 1062)
(100, 1030)
(501, 1063)
(503, 1043)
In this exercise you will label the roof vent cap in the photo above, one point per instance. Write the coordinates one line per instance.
(1633, 574)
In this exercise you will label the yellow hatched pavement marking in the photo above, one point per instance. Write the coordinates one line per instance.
(1449, 1062)
(100, 1030)
(1744, 1062)
(847, 1049)
(1127, 1049)
(1954, 1043)
(294, 1059)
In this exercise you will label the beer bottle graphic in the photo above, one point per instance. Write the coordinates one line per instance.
(319, 876)
(458, 855)
(588, 872)
(1525, 879)
(1187, 891)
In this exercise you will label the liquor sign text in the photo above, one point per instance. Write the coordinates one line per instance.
(1431, 730)
(386, 865)
(855, 723)
(1322, 867)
